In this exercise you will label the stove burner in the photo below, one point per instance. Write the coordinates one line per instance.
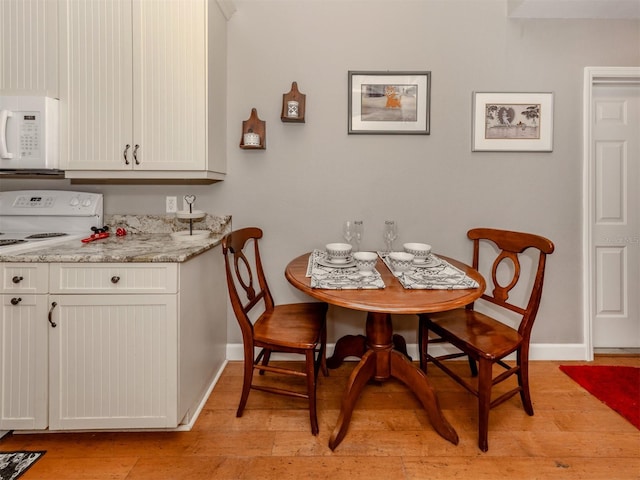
(46, 235)
(10, 241)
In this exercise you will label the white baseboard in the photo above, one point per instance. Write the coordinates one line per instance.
(538, 351)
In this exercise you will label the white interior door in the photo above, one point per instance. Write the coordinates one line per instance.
(615, 213)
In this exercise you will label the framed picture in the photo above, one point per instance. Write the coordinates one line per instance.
(389, 102)
(512, 122)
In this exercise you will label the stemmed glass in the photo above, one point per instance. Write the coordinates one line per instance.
(358, 229)
(348, 230)
(390, 233)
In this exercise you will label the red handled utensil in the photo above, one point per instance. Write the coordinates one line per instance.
(97, 235)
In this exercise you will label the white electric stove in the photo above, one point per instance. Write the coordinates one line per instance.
(31, 219)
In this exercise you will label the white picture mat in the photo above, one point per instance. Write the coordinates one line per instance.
(542, 144)
(419, 126)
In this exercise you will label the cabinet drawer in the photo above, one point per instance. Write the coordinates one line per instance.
(24, 278)
(69, 278)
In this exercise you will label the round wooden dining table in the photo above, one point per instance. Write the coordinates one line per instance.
(379, 360)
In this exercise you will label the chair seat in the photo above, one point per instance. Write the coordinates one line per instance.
(297, 325)
(473, 330)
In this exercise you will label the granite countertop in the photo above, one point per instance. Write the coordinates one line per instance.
(148, 239)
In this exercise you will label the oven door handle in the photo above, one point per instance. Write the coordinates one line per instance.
(4, 116)
(53, 305)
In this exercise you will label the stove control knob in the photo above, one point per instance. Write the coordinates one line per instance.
(17, 279)
(74, 201)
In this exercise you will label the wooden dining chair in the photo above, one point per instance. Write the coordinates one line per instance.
(484, 340)
(295, 328)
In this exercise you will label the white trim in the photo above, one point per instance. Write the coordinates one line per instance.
(593, 76)
(538, 351)
(587, 211)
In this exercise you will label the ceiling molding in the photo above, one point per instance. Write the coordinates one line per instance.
(597, 9)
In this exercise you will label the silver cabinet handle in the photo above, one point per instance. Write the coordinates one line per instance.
(135, 154)
(124, 154)
(53, 324)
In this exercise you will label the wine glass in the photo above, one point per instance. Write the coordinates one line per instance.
(348, 230)
(390, 233)
(358, 229)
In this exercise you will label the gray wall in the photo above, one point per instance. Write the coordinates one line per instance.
(313, 176)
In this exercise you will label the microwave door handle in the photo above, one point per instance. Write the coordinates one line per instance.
(4, 116)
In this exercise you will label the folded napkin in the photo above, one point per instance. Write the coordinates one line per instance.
(436, 274)
(339, 278)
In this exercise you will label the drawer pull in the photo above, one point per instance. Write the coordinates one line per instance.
(15, 301)
(115, 279)
(53, 324)
(17, 279)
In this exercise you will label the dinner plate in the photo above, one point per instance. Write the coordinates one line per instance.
(328, 263)
(431, 262)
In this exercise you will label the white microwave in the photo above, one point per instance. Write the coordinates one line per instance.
(29, 134)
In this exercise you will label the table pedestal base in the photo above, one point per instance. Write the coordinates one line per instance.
(356, 346)
(379, 361)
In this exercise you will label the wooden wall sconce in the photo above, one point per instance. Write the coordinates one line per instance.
(254, 133)
(293, 105)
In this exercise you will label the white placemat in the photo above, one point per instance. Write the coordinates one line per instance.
(339, 278)
(436, 274)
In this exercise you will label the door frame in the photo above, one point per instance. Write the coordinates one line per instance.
(593, 76)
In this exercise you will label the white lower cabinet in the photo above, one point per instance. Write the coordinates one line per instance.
(113, 345)
(113, 362)
(23, 346)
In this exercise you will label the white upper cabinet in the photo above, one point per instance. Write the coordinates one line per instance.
(98, 84)
(29, 47)
(141, 89)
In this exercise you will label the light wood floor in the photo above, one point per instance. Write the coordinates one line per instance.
(571, 436)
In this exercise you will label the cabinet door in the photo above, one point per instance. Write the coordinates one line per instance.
(113, 362)
(96, 77)
(169, 78)
(29, 47)
(23, 362)
(136, 76)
